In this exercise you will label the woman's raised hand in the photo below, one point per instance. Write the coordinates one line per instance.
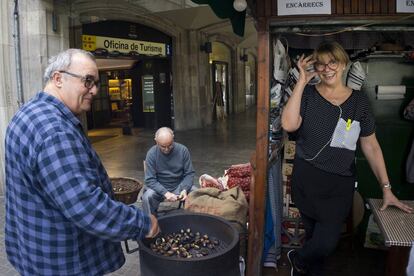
(304, 63)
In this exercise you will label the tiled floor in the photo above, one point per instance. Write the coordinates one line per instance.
(213, 149)
(349, 259)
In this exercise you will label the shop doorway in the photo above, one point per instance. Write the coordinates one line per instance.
(140, 96)
(136, 88)
(99, 116)
(112, 104)
(250, 77)
(120, 97)
(221, 98)
(152, 93)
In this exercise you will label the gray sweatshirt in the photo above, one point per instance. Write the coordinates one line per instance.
(165, 172)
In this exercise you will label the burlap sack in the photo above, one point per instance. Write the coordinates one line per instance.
(230, 205)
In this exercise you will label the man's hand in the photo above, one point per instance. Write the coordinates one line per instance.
(183, 195)
(155, 229)
(390, 199)
(170, 197)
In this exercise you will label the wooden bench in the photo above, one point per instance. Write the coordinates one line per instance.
(397, 227)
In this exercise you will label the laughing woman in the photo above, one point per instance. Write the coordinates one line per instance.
(329, 119)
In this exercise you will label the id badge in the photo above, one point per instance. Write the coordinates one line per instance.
(346, 134)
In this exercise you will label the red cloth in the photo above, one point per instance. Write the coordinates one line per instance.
(237, 175)
(240, 175)
(241, 170)
(242, 182)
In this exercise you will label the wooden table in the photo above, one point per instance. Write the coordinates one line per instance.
(397, 227)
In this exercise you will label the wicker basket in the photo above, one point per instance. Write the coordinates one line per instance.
(126, 189)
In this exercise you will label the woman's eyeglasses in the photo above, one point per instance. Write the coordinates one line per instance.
(332, 64)
(88, 80)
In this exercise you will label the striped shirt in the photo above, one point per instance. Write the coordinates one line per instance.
(60, 216)
(316, 142)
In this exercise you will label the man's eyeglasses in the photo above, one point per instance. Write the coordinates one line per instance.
(88, 80)
(332, 64)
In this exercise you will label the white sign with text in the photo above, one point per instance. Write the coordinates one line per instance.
(292, 7)
(405, 6)
(93, 42)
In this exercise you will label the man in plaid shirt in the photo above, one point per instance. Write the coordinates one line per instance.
(61, 218)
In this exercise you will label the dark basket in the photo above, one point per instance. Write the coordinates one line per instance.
(126, 189)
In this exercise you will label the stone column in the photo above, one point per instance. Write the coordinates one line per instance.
(204, 84)
(188, 97)
(8, 92)
(239, 87)
(38, 41)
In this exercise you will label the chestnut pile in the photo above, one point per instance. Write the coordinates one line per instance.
(184, 244)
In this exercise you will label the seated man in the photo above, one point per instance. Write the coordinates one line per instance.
(169, 172)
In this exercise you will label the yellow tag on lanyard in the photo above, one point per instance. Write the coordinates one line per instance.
(348, 124)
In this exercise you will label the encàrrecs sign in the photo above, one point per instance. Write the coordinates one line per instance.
(405, 6)
(303, 7)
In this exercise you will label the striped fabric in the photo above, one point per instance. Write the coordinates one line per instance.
(396, 225)
(60, 216)
(319, 120)
(276, 203)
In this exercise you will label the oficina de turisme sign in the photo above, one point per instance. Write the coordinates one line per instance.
(125, 46)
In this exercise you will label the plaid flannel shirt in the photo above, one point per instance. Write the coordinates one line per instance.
(60, 216)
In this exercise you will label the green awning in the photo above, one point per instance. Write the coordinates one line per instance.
(224, 9)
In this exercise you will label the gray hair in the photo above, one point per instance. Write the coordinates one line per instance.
(163, 130)
(62, 61)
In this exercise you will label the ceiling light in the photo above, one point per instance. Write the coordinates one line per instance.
(239, 5)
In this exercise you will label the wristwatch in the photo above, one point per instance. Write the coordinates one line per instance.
(388, 186)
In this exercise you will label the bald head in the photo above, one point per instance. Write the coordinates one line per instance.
(164, 133)
(164, 137)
